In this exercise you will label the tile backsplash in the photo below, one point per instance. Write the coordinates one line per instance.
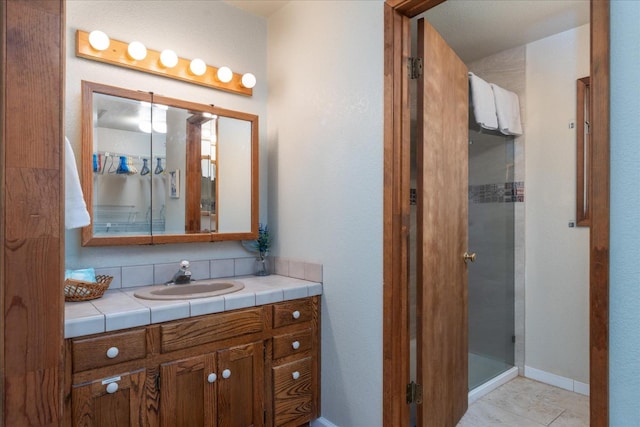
(153, 274)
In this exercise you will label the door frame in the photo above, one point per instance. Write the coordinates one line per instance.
(397, 14)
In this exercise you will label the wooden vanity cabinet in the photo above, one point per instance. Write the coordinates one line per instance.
(113, 401)
(216, 389)
(295, 365)
(251, 367)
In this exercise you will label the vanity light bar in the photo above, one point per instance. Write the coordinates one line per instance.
(117, 54)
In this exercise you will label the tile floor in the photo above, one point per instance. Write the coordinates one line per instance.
(527, 403)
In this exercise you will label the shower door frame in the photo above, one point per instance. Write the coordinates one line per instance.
(397, 14)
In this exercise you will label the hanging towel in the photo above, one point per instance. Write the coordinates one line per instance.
(482, 99)
(508, 110)
(75, 212)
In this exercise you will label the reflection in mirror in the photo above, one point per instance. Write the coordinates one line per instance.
(122, 152)
(583, 152)
(161, 170)
(234, 182)
(209, 139)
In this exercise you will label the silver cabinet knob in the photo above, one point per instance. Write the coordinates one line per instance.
(212, 378)
(296, 375)
(296, 314)
(112, 388)
(295, 345)
(226, 373)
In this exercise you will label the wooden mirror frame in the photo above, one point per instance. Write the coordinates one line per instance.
(397, 14)
(192, 174)
(583, 152)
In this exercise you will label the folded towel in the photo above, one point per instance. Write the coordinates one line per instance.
(508, 110)
(482, 99)
(75, 213)
(84, 274)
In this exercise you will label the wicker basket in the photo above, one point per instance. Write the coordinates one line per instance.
(79, 290)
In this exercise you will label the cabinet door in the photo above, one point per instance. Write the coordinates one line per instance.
(241, 386)
(115, 401)
(187, 392)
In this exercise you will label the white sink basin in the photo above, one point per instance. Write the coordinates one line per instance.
(197, 289)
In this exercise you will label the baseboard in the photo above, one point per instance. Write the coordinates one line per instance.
(322, 422)
(492, 384)
(556, 380)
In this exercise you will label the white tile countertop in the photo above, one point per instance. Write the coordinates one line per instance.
(120, 309)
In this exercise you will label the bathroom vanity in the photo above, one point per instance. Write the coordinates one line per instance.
(252, 366)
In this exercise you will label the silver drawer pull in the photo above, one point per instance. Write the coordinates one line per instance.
(112, 352)
(296, 375)
(212, 377)
(295, 345)
(296, 314)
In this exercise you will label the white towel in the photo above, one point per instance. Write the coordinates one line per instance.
(508, 110)
(482, 99)
(75, 212)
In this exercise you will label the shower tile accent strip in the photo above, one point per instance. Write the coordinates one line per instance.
(508, 192)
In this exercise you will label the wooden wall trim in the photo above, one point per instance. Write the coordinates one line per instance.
(411, 8)
(396, 218)
(32, 212)
(599, 234)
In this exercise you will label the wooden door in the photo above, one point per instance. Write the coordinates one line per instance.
(441, 231)
(241, 387)
(188, 392)
(110, 402)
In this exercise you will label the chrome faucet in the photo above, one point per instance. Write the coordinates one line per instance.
(182, 276)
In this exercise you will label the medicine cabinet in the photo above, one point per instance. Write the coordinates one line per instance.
(583, 153)
(163, 170)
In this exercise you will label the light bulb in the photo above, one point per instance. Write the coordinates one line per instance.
(159, 126)
(248, 80)
(137, 51)
(168, 58)
(145, 126)
(198, 67)
(99, 40)
(225, 74)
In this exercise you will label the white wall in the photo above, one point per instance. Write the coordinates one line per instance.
(214, 31)
(624, 363)
(325, 186)
(557, 257)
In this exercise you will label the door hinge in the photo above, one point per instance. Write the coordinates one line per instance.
(414, 393)
(414, 66)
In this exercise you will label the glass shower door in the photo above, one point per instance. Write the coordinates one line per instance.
(492, 195)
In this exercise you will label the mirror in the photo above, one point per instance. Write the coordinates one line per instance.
(583, 152)
(163, 170)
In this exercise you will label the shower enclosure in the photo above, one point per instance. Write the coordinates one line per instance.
(493, 193)
(492, 197)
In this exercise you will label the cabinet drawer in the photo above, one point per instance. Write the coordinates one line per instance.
(293, 397)
(190, 333)
(110, 349)
(287, 345)
(291, 312)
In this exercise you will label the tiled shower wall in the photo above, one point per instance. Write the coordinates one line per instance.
(507, 69)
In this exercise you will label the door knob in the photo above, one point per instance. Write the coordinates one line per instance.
(469, 257)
